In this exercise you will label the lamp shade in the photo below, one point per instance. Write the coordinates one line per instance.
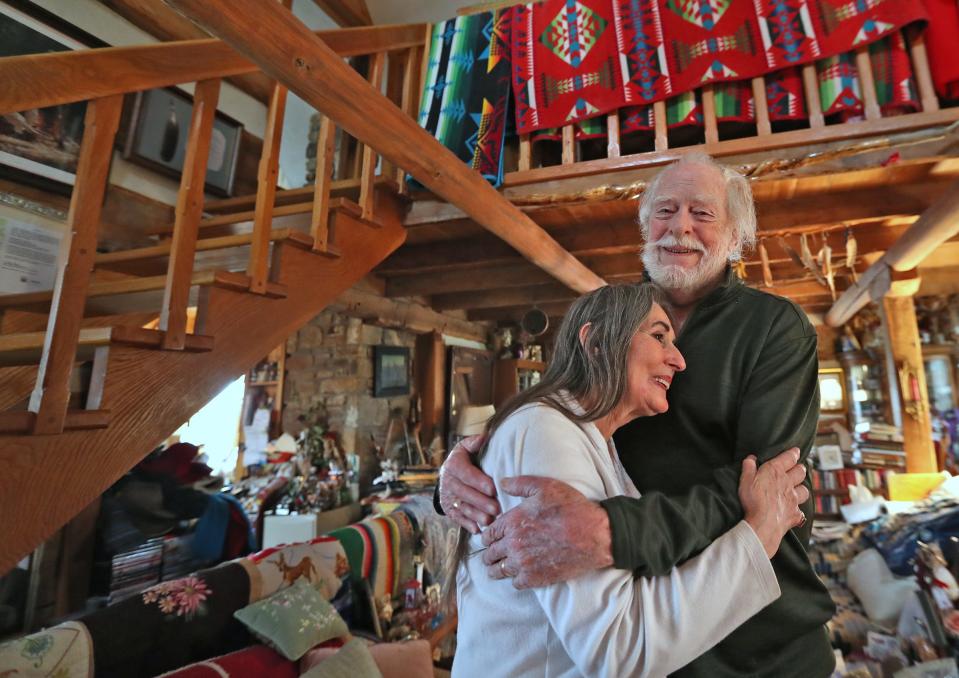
(473, 419)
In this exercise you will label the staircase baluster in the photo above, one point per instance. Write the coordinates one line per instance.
(660, 127)
(409, 102)
(569, 144)
(761, 106)
(867, 84)
(189, 209)
(612, 134)
(810, 81)
(320, 226)
(51, 396)
(920, 66)
(709, 115)
(368, 171)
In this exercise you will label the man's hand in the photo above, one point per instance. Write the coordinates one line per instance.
(771, 497)
(467, 495)
(554, 535)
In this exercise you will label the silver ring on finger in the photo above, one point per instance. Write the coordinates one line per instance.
(802, 518)
(456, 504)
(502, 568)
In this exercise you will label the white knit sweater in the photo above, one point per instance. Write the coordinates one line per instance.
(605, 623)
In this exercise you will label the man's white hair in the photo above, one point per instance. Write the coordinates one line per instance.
(740, 208)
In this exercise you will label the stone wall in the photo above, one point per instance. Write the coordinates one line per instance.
(330, 361)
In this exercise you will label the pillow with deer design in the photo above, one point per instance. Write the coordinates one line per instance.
(293, 620)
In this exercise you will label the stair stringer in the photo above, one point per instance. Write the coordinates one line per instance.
(46, 480)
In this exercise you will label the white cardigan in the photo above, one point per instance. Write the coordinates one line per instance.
(605, 623)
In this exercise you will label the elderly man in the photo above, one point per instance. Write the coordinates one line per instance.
(750, 387)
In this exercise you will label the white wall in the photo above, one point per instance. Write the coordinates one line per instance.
(414, 11)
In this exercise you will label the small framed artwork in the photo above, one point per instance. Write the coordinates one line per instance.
(391, 371)
(158, 132)
(41, 145)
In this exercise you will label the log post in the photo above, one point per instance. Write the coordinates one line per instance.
(900, 309)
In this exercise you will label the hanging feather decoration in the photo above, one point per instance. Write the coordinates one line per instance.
(852, 249)
(827, 271)
(740, 268)
(764, 259)
(791, 252)
(808, 262)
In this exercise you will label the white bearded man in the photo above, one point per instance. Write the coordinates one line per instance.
(750, 388)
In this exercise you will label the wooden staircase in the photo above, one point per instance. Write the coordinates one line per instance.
(145, 381)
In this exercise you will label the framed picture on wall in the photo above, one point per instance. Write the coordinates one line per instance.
(158, 132)
(40, 145)
(391, 371)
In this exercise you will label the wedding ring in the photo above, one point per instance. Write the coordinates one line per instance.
(502, 567)
(803, 518)
(456, 504)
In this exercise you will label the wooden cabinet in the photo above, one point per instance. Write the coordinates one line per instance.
(867, 391)
(941, 361)
(512, 376)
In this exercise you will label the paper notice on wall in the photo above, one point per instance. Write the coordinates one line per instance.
(28, 256)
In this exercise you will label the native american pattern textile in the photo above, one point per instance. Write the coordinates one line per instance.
(941, 38)
(565, 67)
(565, 62)
(466, 94)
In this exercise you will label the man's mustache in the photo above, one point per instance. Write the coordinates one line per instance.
(689, 243)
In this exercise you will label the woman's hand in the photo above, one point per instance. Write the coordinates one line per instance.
(467, 495)
(771, 496)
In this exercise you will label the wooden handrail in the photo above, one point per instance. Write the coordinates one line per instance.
(39, 80)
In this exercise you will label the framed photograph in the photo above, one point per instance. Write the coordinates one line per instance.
(41, 145)
(391, 371)
(832, 390)
(159, 127)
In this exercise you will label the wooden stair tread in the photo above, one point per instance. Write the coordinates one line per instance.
(21, 421)
(25, 348)
(231, 280)
(202, 245)
(142, 337)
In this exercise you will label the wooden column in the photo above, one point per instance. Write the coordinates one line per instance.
(51, 396)
(907, 352)
(430, 364)
(189, 209)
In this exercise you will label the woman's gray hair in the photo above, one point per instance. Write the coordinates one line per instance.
(594, 370)
(740, 208)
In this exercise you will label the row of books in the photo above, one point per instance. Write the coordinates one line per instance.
(841, 479)
(828, 503)
(158, 559)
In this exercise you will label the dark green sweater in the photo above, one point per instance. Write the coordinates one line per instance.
(750, 387)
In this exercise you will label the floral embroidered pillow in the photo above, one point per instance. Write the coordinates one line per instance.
(293, 620)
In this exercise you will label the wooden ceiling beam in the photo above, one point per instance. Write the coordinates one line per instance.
(554, 309)
(516, 296)
(287, 51)
(346, 13)
(166, 25)
(495, 277)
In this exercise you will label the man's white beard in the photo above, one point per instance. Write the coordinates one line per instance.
(676, 277)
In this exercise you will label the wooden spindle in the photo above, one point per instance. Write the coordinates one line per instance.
(761, 106)
(612, 135)
(368, 169)
(569, 144)
(51, 396)
(810, 81)
(867, 84)
(709, 115)
(189, 209)
(920, 66)
(525, 152)
(660, 127)
(408, 102)
(258, 266)
(320, 225)
(395, 75)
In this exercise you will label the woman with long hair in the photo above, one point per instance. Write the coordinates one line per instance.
(614, 360)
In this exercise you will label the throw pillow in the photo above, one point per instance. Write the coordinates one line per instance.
(293, 620)
(353, 660)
